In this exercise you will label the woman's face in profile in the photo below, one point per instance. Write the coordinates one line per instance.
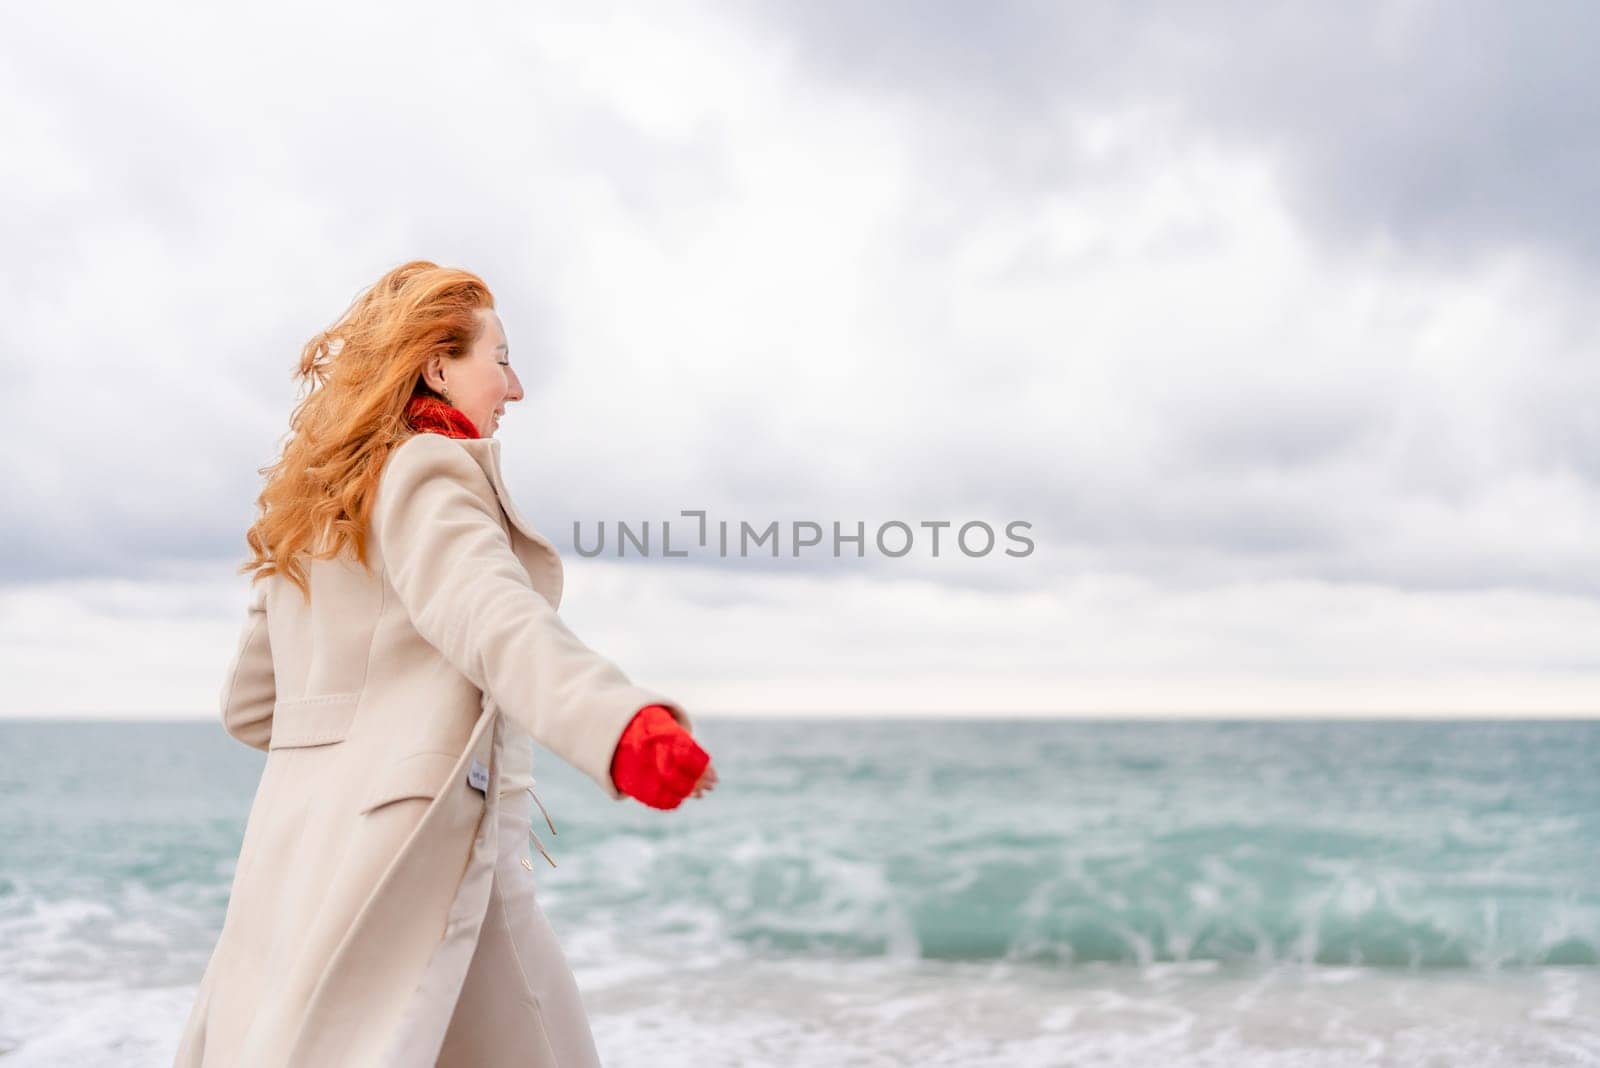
(482, 382)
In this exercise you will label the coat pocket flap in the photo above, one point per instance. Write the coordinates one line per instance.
(421, 774)
(307, 721)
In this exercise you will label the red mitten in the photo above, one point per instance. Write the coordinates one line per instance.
(657, 761)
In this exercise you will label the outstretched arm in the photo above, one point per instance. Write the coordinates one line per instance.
(437, 524)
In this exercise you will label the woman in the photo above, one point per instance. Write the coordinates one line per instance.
(400, 653)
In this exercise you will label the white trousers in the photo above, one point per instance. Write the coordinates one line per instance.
(519, 1004)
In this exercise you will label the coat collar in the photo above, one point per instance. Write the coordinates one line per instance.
(538, 555)
(426, 413)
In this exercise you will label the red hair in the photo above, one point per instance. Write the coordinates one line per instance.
(362, 373)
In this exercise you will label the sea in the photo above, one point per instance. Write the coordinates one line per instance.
(1002, 892)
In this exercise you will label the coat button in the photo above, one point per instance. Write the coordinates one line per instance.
(526, 863)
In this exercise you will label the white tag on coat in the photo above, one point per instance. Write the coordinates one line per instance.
(478, 776)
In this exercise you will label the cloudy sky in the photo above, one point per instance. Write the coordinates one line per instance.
(1275, 324)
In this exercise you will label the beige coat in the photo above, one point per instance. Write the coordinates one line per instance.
(367, 857)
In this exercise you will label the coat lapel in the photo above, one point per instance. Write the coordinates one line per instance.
(535, 551)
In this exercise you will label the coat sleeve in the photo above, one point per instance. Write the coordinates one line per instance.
(437, 524)
(249, 689)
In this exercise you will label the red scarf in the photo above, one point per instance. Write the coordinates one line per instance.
(428, 413)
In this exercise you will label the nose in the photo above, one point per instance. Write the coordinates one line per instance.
(515, 392)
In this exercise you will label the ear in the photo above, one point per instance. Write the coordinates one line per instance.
(433, 373)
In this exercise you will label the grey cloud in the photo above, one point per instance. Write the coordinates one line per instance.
(1419, 129)
(1258, 427)
(1448, 127)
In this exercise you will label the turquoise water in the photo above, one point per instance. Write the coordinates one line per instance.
(930, 892)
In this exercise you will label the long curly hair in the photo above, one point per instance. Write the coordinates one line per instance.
(359, 376)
